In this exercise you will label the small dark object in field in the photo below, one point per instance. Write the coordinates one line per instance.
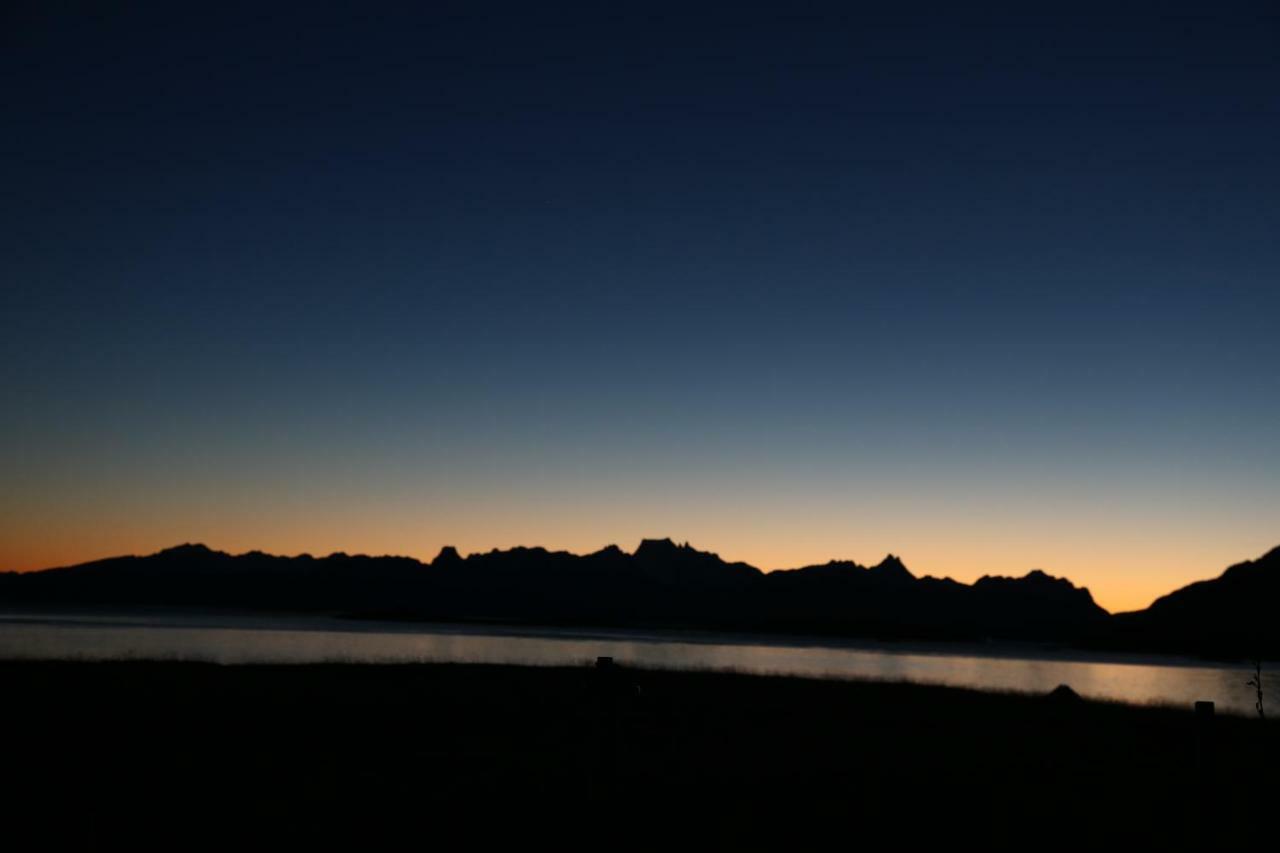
(1064, 695)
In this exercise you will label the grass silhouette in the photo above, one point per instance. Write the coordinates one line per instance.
(151, 752)
(1256, 683)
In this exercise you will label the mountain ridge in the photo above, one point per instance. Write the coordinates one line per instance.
(665, 584)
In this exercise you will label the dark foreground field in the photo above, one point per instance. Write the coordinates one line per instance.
(172, 756)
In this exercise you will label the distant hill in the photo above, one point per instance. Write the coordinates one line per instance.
(1235, 614)
(663, 584)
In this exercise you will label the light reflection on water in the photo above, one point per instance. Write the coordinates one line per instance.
(292, 640)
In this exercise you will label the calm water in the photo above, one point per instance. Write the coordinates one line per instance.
(226, 639)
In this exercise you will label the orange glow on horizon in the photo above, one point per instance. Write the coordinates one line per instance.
(1117, 585)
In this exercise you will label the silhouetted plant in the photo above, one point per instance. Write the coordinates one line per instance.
(1256, 684)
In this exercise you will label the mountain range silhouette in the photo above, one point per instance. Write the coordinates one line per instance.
(667, 585)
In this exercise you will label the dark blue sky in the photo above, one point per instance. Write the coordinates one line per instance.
(990, 287)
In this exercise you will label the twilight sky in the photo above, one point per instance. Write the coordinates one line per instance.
(992, 289)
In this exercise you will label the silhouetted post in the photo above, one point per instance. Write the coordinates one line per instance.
(606, 679)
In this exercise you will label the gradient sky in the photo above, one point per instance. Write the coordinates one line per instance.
(990, 288)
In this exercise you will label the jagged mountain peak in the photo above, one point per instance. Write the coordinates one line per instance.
(650, 548)
(448, 555)
(892, 567)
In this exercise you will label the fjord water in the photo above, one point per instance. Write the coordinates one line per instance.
(244, 639)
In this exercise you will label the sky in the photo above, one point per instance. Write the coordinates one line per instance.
(992, 288)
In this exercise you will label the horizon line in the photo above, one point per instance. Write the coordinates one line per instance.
(444, 549)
